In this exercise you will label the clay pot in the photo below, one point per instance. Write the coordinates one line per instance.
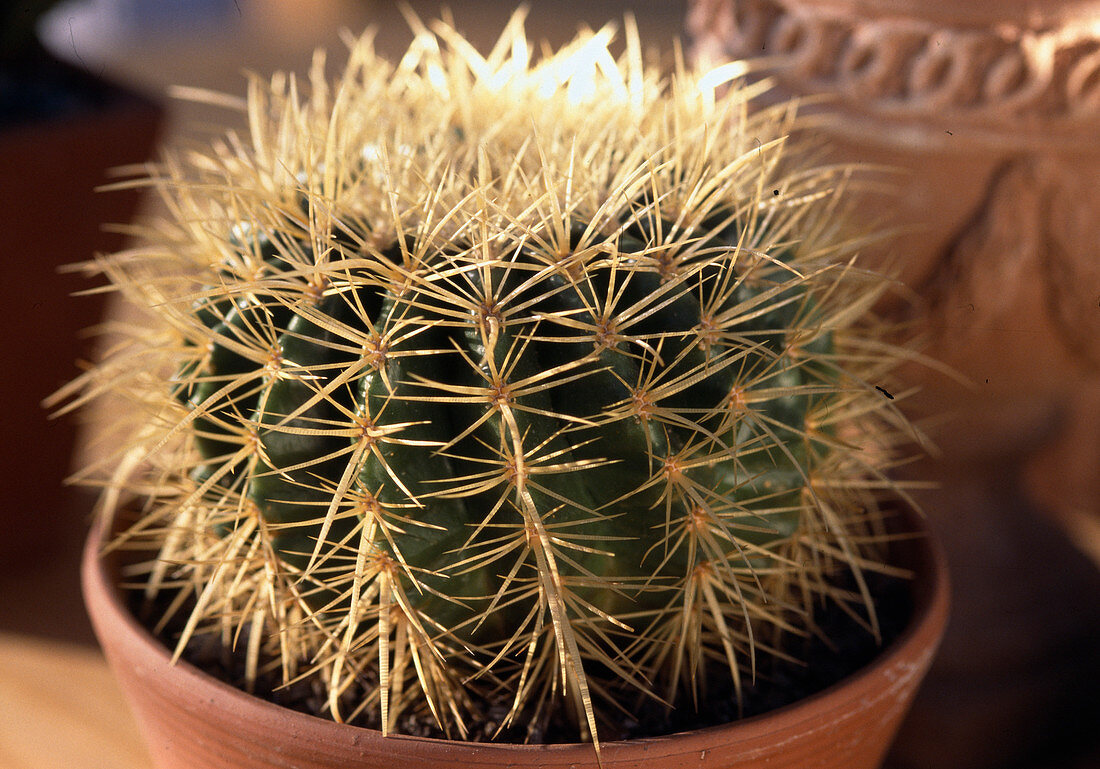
(192, 721)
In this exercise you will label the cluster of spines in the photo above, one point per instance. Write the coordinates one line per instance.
(492, 409)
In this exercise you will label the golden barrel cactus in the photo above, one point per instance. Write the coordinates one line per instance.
(501, 389)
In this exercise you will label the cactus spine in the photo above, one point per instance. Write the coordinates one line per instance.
(478, 382)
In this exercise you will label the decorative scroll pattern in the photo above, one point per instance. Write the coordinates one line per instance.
(908, 65)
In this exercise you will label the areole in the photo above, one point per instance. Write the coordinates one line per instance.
(191, 720)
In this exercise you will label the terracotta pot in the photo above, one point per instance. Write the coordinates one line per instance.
(192, 721)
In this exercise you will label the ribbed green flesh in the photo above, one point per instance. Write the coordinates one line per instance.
(598, 420)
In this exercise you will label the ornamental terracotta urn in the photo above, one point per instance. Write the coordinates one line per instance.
(981, 120)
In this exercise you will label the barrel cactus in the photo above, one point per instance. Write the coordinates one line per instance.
(494, 389)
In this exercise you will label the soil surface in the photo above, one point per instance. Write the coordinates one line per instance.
(777, 683)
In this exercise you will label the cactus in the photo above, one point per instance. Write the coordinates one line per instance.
(481, 385)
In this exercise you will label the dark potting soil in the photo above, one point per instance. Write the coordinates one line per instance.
(842, 647)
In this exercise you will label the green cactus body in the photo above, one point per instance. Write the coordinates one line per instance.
(628, 410)
(539, 406)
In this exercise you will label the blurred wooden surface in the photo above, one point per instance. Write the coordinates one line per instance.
(60, 708)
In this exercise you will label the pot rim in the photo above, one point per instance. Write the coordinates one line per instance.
(908, 655)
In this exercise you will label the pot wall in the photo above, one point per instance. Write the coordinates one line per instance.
(192, 721)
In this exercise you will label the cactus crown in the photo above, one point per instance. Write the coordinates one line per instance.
(481, 384)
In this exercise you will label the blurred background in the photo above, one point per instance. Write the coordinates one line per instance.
(1027, 585)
